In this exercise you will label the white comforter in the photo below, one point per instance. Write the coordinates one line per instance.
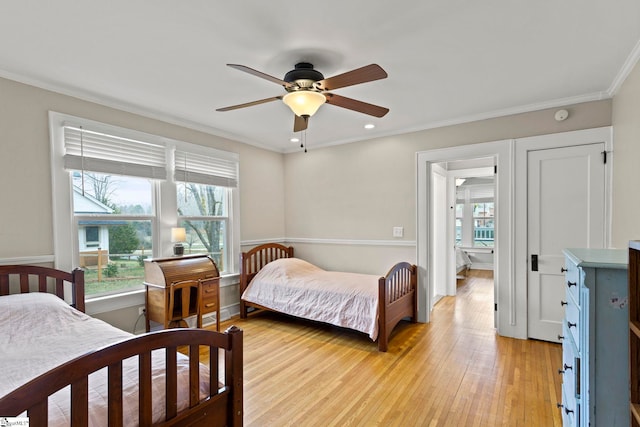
(298, 288)
(39, 331)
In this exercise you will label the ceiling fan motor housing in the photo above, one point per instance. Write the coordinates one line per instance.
(304, 76)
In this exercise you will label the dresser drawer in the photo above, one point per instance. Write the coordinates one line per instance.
(210, 295)
(569, 370)
(572, 280)
(571, 321)
(569, 412)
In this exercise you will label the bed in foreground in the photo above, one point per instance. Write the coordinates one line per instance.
(272, 279)
(66, 368)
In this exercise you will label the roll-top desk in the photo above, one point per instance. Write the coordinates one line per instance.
(190, 284)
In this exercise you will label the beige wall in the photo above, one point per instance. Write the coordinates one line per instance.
(360, 191)
(626, 158)
(25, 175)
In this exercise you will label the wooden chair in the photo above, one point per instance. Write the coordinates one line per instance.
(184, 301)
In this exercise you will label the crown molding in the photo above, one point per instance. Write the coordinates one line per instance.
(626, 69)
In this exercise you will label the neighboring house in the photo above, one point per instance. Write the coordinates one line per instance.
(93, 236)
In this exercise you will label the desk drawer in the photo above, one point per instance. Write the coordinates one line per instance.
(210, 295)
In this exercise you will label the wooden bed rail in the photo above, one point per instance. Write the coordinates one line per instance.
(44, 275)
(223, 399)
(396, 298)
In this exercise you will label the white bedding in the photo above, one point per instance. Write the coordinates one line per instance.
(39, 331)
(298, 288)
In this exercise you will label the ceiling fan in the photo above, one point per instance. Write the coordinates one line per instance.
(307, 90)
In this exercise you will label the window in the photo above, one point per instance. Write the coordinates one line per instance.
(118, 213)
(202, 211)
(483, 224)
(91, 236)
(125, 191)
(203, 203)
(459, 218)
(474, 216)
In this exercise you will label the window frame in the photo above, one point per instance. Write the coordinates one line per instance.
(226, 255)
(65, 226)
(482, 218)
(467, 202)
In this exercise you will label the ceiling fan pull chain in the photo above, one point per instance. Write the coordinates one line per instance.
(304, 138)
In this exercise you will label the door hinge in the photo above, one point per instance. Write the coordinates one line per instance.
(604, 157)
(495, 307)
(495, 169)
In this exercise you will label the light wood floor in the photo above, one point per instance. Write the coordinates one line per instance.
(454, 371)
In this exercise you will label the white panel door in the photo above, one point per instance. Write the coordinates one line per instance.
(566, 209)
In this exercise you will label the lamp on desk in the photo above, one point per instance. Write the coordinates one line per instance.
(178, 235)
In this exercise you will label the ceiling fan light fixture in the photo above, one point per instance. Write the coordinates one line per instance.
(304, 102)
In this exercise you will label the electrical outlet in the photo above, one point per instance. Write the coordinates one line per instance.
(398, 231)
(141, 311)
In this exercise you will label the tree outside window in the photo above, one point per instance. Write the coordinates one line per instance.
(203, 212)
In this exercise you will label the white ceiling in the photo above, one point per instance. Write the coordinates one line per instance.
(448, 61)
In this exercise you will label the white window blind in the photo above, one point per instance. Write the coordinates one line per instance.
(201, 169)
(99, 152)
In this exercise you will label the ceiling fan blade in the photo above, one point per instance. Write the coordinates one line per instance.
(260, 74)
(364, 74)
(249, 104)
(355, 105)
(300, 123)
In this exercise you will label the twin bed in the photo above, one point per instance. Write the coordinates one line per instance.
(272, 279)
(64, 367)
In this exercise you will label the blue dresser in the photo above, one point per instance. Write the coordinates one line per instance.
(595, 339)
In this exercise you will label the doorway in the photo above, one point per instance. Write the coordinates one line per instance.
(464, 218)
(430, 250)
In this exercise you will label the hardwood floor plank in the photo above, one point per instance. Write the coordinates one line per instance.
(455, 371)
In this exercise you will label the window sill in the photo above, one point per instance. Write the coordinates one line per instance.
(135, 298)
(477, 249)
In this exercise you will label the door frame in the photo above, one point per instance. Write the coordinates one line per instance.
(441, 261)
(503, 273)
(522, 148)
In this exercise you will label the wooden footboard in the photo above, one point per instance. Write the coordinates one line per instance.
(253, 260)
(31, 278)
(397, 299)
(222, 407)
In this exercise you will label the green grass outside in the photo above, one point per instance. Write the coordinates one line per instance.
(130, 275)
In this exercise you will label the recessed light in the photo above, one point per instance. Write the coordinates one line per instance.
(369, 126)
(294, 140)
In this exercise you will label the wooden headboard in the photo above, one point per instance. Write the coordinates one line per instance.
(253, 260)
(23, 275)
